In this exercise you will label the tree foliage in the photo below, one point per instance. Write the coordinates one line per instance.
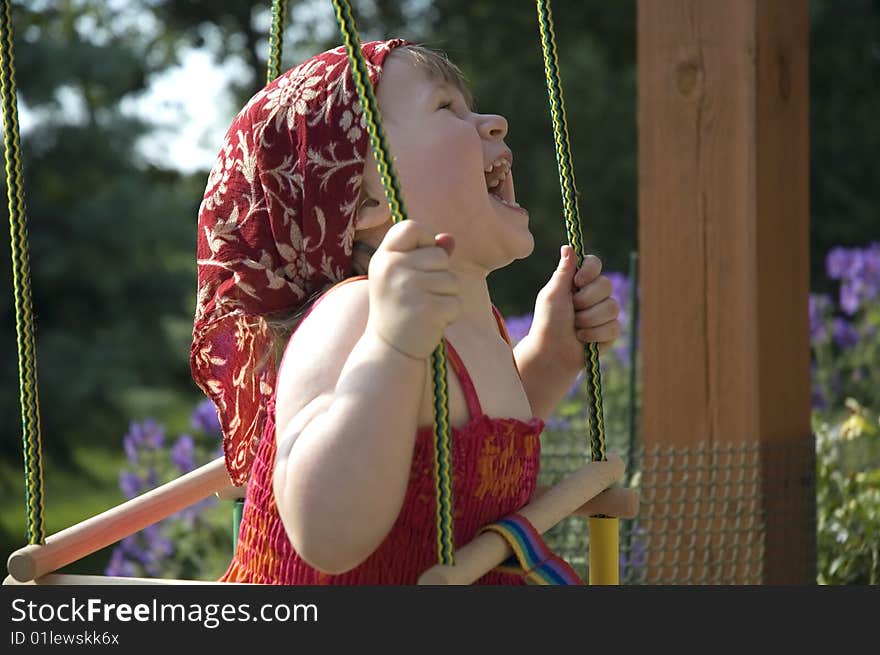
(111, 238)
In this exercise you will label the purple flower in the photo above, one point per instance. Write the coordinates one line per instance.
(845, 335)
(147, 434)
(872, 265)
(157, 543)
(204, 418)
(183, 453)
(152, 478)
(118, 566)
(557, 423)
(819, 305)
(153, 433)
(622, 292)
(837, 263)
(130, 548)
(130, 484)
(621, 287)
(147, 548)
(518, 327)
(858, 269)
(850, 297)
(144, 443)
(130, 445)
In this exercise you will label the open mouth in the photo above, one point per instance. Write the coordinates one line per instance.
(499, 183)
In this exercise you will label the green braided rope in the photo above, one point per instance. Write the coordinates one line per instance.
(442, 449)
(24, 317)
(442, 459)
(572, 215)
(276, 39)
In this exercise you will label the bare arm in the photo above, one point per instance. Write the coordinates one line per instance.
(344, 456)
(545, 379)
(343, 461)
(574, 308)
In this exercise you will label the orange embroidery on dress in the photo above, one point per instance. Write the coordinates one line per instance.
(499, 467)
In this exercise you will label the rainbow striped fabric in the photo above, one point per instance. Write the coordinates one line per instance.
(531, 558)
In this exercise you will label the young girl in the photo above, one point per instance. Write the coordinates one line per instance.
(337, 447)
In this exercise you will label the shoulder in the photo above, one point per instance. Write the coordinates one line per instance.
(341, 308)
(318, 349)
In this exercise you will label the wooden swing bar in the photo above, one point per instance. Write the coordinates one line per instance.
(588, 491)
(106, 528)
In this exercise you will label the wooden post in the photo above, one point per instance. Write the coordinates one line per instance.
(724, 248)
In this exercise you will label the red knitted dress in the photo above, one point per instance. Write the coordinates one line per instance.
(495, 468)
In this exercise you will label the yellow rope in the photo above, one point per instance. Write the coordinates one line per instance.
(442, 438)
(276, 39)
(21, 275)
(572, 215)
(604, 540)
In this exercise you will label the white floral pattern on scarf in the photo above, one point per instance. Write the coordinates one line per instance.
(276, 223)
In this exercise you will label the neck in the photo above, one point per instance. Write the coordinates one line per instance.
(476, 304)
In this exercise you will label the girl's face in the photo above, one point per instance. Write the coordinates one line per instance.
(441, 151)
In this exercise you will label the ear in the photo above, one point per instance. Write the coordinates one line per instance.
(372, 209)
(372, 213)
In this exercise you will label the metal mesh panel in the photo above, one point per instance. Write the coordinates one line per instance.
(700, 518)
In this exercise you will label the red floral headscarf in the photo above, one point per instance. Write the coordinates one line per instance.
(276, 223)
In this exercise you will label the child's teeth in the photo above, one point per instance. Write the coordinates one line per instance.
(511, 203)
(497, 172)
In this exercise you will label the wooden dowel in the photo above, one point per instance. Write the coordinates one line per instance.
(619, 502)
(118, 522)
(54, 579)
(230, 492)
(488, 550)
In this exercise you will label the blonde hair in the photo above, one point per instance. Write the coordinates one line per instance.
(438, 66)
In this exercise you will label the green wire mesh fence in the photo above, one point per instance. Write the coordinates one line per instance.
(702, 517)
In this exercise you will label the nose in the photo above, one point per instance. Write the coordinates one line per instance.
(492, 127)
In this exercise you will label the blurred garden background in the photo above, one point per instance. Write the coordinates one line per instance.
(123, 103)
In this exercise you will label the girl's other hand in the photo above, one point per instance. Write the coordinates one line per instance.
(413, 294)
(575, 308)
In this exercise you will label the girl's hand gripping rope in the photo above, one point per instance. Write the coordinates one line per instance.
(413, 294)
(575, 308)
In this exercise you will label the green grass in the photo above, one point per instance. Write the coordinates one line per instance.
(89, 486)
(72, 493)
